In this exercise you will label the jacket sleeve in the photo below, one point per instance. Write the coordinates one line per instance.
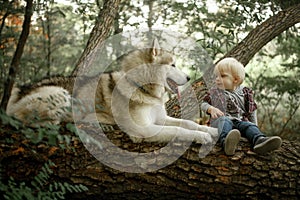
(205, 103)
(253, 117)
(205, 106)
(250, 104)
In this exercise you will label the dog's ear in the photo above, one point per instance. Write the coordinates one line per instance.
(155, 48)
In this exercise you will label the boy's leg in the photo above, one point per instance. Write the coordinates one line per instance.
(248, 130)
(228, 138)
(261, 144)
(224, 125)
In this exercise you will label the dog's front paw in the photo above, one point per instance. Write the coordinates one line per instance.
(207, 146)
(213, 132)
(204, 138)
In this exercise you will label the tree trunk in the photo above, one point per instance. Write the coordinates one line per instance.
(5, 15)
(216, 176)
(100, 32)
(14, 66)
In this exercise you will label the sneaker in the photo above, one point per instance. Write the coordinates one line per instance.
(231, 141)
(265, 145)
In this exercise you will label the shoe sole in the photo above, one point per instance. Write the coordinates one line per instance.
(231, 142)
(267, 146)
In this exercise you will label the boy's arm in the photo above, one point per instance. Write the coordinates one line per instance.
(205, 106)
(211, 110)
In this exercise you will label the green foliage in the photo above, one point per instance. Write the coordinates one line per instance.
(278, 98)
(49, 133)
(40, 187)
(57, 36)
(5, 119)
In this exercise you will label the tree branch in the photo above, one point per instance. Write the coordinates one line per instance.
(264, 33)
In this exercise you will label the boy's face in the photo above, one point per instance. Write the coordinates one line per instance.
(225, 80)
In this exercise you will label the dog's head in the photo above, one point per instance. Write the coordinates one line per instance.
(157, 66)
(173, 76)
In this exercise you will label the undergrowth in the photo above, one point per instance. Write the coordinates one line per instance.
(41, 186)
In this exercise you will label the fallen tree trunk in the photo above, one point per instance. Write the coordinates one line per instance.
(216, 176)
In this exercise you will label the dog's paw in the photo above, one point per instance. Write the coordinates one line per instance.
(213, 132)
(204, 138)
(207, 146)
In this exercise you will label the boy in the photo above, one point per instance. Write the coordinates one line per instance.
(233, 110)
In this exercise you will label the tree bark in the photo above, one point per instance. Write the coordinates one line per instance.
(100, 32)
(216, 176)
(14, 66)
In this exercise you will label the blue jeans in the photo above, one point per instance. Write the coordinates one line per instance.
(247, 129)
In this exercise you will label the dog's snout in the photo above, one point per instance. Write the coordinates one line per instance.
(188, 78)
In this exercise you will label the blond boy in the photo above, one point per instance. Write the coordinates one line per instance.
(233, 110)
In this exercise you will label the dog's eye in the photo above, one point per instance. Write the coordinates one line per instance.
(173, 65)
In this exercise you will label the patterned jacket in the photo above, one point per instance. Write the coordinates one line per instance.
(238, 104)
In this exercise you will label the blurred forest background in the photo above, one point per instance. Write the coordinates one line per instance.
(60, 29)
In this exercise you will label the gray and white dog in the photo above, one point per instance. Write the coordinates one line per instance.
(132, 98)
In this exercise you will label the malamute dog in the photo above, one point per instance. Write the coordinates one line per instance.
(132, 98)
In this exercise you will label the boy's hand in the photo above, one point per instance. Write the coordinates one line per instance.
(214, 112)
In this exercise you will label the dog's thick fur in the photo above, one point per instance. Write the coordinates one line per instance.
(132, 98)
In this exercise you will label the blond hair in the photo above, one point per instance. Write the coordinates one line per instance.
(232, 66)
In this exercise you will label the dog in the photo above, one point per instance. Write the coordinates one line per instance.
(133, 98)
